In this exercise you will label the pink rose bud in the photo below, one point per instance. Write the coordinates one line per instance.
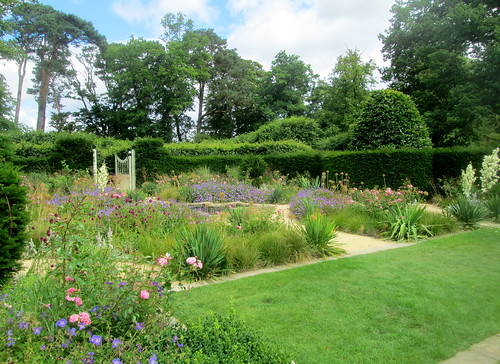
(144, 294)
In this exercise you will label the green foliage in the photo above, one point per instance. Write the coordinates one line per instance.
(390, 119)
(338, 100)
(13, 220)
(152, 159)
(298, 128)
(468, 212)
(253, 167)
(230, 148)
(226, 340)
(292, 164)
(384, 168)
(444, 54)
(74, 149)
(449, 162)
(493, 205)
(320, 232)
(204, 243)
(404, 222)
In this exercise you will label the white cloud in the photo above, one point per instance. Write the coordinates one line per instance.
(150, 12)
(317, 30)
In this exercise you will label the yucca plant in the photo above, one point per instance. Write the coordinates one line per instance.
(468, 212)
(493, 205)
(320, 232)
(206, 245)
(404, 222)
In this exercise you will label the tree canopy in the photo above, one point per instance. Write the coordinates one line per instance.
(445, 54)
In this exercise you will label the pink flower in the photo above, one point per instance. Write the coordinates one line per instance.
(191, 260)
(200, 264)
(164, 260)
(78, 301)
(70, 299)
(74, 318)
(69, 279)
(85, 318)
(144, 294)
(72, 290)
(238, 227)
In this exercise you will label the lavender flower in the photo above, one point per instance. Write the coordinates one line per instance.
(96, 340)
(61, 322)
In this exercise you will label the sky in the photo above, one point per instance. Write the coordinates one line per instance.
(318, 31)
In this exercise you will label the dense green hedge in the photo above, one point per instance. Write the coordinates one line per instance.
(231, 148)
(382, 167)
(45, 152)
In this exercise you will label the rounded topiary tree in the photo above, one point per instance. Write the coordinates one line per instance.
(299, 128)
(390, 119)
(13, 215)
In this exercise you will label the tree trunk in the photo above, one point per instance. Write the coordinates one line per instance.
(21, 72)
(42, 97)
(201, 96)
(178, 129)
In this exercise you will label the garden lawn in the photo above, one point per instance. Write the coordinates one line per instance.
(418, 304)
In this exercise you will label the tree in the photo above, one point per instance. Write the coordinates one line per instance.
(339, 101)
(147, 92)
(5, 25)
(287, 85)
(390, 119)
(5, 106)
(233, 104)
(445, 54)
(51, 34)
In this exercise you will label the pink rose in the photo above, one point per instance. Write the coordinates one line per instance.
(69, 279)
(70, 299)
(200, 264)
(78, 301)
(191, 260)
(144, 294)
(85, 318)
(72, 290)
(74, 318)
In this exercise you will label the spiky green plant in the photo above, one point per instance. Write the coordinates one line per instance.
(404, 222)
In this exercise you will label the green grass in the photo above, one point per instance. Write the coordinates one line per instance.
(418, 304)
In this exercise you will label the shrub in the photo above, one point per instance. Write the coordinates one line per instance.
(390, 119)
(298, 128)
(13, 220)
(493, 205)
(74, 149)
(224, 340)
(253, 167)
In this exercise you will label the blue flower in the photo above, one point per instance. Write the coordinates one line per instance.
(96, 340)
(37, 330)
(23, 325)
(61, 322)
(116, 361)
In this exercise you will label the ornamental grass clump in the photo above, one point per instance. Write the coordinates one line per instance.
(320, 232)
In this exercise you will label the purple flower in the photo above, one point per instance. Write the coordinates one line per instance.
(61, 322)
(153, 359)
(43, 347)
(116, 343)
(23, 325)
(94, 309)
(37, 330)
(139, 326)
(116, 361)
(72, 331)
(96, 340)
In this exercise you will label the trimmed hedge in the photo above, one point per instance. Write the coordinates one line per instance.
(230, 148)
(449, 162)
(382, 167)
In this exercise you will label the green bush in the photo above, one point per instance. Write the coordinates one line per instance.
(74, 149)
(390, 119)
(152, 159)
(468, 212)
(298, 128)
(13, 220)
(253, 167)
(320, 232)
(224, 340)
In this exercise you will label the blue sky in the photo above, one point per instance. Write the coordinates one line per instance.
(318, 31)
